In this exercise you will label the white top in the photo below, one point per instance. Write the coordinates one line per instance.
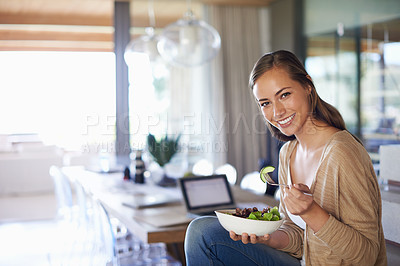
(295, 218)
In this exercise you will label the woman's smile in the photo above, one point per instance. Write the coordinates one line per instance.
(286, 122)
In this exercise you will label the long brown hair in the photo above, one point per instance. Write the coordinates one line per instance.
(320, 110)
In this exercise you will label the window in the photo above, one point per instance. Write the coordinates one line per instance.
(67, 98)
(149, 99)
(368, 57)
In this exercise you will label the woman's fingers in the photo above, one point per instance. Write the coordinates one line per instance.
(234, 236)
(298, 199)
(253, 239)
(302, 188)
(245, 238)
(298, 191)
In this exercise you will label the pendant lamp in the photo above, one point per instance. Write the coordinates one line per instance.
(189, 42)
(145, 44)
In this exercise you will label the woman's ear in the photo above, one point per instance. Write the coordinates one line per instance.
(309, 88)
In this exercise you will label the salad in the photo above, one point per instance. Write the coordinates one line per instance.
(267, 214)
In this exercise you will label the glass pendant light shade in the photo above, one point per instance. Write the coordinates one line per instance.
(189, 42)
(145, 44)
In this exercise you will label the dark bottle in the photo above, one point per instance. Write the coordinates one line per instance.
(139, 168)
(127, 174)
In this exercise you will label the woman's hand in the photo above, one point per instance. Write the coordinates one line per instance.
(253, 239)
(298, 199)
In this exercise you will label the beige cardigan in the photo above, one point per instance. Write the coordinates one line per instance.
(346, 187)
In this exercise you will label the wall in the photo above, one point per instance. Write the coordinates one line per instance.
(287, 26)
(322, 16)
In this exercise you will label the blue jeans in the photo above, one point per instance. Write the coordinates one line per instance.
(208, 243)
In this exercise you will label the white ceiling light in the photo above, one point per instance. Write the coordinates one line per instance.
(145, 44)
(189, 41)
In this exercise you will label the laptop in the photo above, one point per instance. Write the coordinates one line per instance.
(204, 194)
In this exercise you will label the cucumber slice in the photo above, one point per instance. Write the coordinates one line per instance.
(264, 172)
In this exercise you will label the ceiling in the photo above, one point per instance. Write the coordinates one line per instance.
(86, 25)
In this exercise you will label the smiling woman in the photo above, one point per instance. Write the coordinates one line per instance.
(68, 98)
(331, 201)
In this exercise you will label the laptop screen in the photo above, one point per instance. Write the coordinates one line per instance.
(206, 191)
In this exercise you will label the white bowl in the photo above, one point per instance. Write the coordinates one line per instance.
(241, 225)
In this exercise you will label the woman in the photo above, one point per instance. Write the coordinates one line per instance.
(333, 204)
